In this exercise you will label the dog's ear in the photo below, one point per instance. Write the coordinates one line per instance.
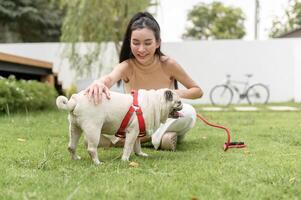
(168, 95)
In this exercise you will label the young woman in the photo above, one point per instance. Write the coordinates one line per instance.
(143, 66)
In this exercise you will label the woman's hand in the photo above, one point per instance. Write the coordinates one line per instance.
(95, 91)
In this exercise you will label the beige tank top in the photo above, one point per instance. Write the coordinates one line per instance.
(153, 76)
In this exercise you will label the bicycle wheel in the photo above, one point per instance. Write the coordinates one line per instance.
(258, 94)
(221, 95)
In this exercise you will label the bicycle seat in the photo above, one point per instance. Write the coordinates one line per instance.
(249, 75)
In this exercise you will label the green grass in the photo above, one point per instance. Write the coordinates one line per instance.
(261, 107)
(35, 163)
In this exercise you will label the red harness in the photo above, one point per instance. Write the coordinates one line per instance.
(134, 108)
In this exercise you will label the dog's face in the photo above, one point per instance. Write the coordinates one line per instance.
(174, 101)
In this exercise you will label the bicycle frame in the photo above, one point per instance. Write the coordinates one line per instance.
(232, 85)
(253, 93)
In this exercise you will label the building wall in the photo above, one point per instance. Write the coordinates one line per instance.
(275, 63)
(51, 52)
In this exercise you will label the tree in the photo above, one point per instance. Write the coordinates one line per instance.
(99, 22)
(30, 20)
(257, 19)
(215, 21)
(291, 21)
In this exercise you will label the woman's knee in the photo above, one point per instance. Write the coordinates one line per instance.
(188, 110)
(189, 113)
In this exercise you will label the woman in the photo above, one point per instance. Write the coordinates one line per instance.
(143, 66)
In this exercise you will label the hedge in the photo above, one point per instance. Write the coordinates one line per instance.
(25, 95)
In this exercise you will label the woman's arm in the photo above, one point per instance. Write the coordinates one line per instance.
(193, 91)
(102, 85)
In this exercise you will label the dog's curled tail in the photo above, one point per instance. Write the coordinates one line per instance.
(64, 104)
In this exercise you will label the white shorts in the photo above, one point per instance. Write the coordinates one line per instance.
(180, 125)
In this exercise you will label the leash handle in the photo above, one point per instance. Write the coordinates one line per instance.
(228, 144)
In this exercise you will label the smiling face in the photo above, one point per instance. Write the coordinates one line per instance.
(144, 45)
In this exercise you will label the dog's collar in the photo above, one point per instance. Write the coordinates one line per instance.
(134, 108)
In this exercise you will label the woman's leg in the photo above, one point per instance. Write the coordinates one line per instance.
(174, 130)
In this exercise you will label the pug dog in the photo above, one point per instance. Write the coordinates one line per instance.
(106, 117)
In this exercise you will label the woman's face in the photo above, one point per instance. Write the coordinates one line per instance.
(144, 45)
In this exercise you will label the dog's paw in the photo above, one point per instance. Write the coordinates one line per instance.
(76, 157)
(142, 154)
(125, 158)
(97, 162)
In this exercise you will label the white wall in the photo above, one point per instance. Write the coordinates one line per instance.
(272, 62)
(53, 52)
(276, 63)
(50, 52)
(297, 71)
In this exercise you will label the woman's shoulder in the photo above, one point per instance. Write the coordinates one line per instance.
(125, 67)
(124, 63)
(169, 62)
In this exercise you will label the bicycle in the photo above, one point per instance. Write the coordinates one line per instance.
(222, 94)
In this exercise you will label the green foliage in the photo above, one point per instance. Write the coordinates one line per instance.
(291, 21)
(25, 95)
(98, 22)
(30, 20)
(71, 90)
(215, 21)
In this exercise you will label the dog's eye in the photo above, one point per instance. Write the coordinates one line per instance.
(168, 95)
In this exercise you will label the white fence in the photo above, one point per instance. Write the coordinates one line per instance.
(276, 63)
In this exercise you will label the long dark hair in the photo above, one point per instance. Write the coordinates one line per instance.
(139, 21)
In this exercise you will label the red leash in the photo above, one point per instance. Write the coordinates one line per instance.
(228, 144)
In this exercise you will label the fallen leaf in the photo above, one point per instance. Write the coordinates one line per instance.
(21, 140)
(292, 179)
(133, 164)
(247, 152)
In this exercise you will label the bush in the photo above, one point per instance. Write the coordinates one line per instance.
(21, 95)
(71, 90)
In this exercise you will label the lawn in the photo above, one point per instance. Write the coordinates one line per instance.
(35, 163)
